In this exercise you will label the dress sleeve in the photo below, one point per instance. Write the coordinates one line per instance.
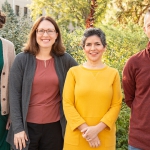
(128, 82)
(111, 116)
(73, 117)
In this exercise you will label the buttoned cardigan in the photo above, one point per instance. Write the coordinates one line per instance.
(8, 56)
(20, 85)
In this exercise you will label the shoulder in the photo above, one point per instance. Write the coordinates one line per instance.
(134, 62)
(135, 58)
(22, 56)
(76, 68)
(75, 71)
(23, 59)
(66, 56)
(7, 42)
(111, 70)
(66, 59)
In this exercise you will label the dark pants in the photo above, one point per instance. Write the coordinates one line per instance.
(3, 132)
(45, 136)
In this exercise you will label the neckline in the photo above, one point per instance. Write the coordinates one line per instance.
(44, 59)
(97, 69)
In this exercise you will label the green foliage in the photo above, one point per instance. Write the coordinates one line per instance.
(101, 10)
(72, 42)
(66, 12)
(122, 42)
(124, 11)
(16, 29)
(122, 125)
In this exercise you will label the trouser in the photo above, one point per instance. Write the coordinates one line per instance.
(133, 148)
(3, 132)
(45, 136)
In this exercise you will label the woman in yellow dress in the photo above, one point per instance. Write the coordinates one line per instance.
(92, 98)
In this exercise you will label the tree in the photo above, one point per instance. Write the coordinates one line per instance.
(16, 29)
(125, 11)
(66, 12)
(90, 18)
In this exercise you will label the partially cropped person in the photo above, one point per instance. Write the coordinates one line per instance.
(92, 98)
(36, 82)
(7, 55)
(136, 86)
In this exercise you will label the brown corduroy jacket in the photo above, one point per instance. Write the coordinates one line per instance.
(8, 56)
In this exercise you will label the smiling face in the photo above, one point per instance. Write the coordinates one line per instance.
(46, 40)
(94, 48)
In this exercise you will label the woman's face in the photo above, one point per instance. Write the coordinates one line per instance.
(46, 35)
(93, 48)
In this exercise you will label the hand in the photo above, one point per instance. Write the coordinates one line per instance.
(8, 124)
(89, 133)
(20, 140)
(82, 126)
(95, 142)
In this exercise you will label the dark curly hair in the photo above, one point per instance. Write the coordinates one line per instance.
(94, 31)
(2, 19)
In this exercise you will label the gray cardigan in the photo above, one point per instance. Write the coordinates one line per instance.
(20, 84)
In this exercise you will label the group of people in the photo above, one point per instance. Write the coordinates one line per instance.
(49, 102)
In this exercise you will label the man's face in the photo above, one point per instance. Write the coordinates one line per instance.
(147, 26)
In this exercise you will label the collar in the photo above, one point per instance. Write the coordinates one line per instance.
(148, 48)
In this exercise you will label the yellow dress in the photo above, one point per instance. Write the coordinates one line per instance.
(91, 96)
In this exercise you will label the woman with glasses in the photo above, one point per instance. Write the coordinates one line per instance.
(36, 82)
(7, 55)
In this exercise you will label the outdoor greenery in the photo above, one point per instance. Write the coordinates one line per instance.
(16, 29)
(129, 10)
(123, 30)
(66, 12)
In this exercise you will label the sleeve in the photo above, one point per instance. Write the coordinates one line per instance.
(128, 82)
(70, 61)
(15, 94)
(73, 117)
(111, 116)
(13, 55)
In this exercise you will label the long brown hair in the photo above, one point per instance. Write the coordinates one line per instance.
(2, 19)
(32, 46)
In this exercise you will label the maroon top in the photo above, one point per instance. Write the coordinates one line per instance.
(45, 98)
(136, 85)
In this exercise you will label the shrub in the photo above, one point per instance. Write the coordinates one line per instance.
(16, 29)
(122, 125)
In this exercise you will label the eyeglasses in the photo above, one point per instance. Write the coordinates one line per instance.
(48, 31)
